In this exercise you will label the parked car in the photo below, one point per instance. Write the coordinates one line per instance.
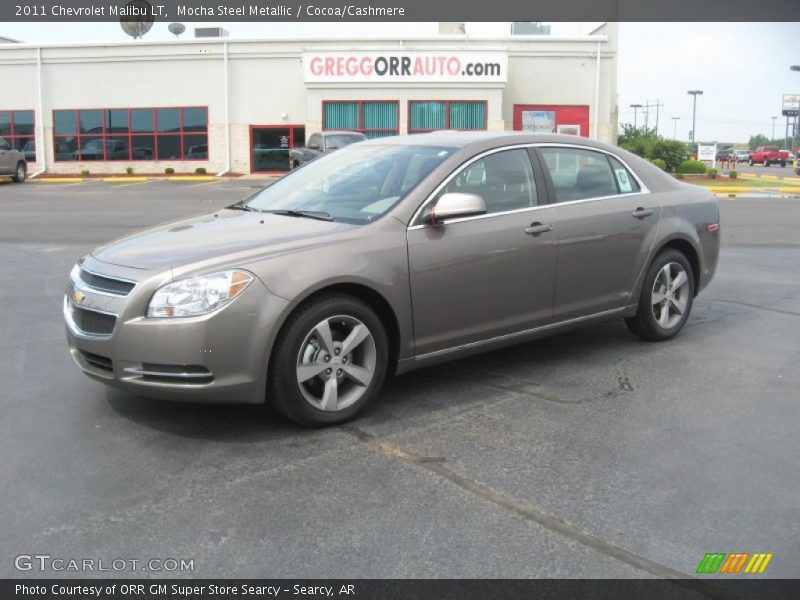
(29, 150)
(12, 162)
(197, 152)
(388, 256)
(726, 154)
(93, 150)
(769, 155)
(323, 143)
(742, 156)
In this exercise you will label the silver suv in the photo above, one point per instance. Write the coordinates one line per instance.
(387, 256)
(12, 162)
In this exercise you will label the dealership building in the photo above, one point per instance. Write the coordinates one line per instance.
(238, 106)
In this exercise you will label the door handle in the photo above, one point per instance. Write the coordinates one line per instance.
(537, 228)
(641, 213)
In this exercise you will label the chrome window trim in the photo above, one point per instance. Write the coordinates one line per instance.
(74, 326)
(643, 189)
(85, 287)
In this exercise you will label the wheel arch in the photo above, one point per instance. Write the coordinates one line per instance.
(367, 294)
(688, 249)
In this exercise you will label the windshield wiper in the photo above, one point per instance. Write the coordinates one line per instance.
(311, 214)
(242, 206)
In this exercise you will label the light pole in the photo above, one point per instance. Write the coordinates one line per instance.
(675, 127)
(773, 129)
(796, 117)
(694, 94)
(635, 108)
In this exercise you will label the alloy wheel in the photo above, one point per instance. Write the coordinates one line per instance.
(670, 295)
(336, 363)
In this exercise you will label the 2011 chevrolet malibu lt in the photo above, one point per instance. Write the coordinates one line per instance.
(387, 256)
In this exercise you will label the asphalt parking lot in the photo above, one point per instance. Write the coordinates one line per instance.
(588, 454)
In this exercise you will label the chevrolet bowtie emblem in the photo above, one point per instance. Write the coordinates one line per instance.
(78, 297)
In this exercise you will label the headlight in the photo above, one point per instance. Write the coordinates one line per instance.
(198, 295)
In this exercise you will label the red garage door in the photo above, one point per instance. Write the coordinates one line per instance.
(552, 118)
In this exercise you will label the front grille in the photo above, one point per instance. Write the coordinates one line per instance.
(105, 284)
(89, 321)
(99, 362)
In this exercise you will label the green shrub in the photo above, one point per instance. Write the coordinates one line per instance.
(169, 171)
(200, 171)
(692, 166)
(712, 173)
(129, 170)
(660, 163)
(85, 173)
(678, 175)
(733, 174)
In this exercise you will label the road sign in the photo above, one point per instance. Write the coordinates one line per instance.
(791, 105)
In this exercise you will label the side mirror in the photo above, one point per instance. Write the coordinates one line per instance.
(455, 205)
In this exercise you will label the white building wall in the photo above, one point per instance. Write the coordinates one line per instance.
(266, 85)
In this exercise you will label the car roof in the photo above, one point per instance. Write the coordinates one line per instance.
(485, 139)
(340, 132)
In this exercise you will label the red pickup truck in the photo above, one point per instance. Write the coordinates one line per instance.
(769, 155)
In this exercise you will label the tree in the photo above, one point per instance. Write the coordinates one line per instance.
(648, 144)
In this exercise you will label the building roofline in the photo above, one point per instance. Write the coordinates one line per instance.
(399, 41)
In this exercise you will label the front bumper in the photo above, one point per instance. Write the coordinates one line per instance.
(219, 357)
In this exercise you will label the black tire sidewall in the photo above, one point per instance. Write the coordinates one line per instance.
(647, 322)
(283, 391)
(16, 177)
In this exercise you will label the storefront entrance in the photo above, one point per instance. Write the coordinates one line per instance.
(270, 145)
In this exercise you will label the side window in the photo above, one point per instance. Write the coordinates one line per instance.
(504, 180)
(625, 181)
(578, 174)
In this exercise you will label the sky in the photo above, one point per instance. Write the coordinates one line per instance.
(742, 68)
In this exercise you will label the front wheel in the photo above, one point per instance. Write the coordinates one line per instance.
(666, 299)
(20, 173)
(783, 164)
(329, 361)
(750, 162)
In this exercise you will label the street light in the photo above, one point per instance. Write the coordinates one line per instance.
(796, 118)
(794, 68)
(694, 94)
(675, 127)
(635, 108)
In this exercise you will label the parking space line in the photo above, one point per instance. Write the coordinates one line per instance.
(122, 185)
(206, 183)
(534, 513)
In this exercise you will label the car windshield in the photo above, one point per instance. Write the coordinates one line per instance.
(355, 185)
(342, 140)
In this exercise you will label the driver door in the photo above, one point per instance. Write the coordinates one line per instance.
(480, 277)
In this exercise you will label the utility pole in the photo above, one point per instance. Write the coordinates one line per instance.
(773, 129)
(635, 108)
(675, 127)
(694, 94)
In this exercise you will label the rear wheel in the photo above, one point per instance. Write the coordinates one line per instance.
(750, 162)
(20, 173)
(783, 163)
(666, 299)
(329, 361)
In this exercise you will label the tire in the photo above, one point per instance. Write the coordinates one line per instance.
(20, 173)
(783, 163)
(766, 162)
(339, 383)
(650, 322)
(750, 162)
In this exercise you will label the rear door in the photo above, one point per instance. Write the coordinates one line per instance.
(6, 157)
(607, 222)
(481, 277)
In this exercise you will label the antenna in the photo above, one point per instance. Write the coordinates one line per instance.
(137, 18)
(176, 29)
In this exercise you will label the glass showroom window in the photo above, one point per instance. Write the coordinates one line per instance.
(16, 127)
(174, 133)
(372, 118)
(430, 115)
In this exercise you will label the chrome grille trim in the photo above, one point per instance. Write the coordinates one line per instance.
(69, 317)
(104, 284)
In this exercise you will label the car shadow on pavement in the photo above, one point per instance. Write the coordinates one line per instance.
(406, 399)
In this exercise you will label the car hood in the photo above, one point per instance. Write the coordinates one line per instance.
(213, 235)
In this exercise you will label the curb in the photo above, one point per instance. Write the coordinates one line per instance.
(121, 179)
(57, 179)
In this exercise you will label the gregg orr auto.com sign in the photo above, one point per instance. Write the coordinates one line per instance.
(398, 66)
